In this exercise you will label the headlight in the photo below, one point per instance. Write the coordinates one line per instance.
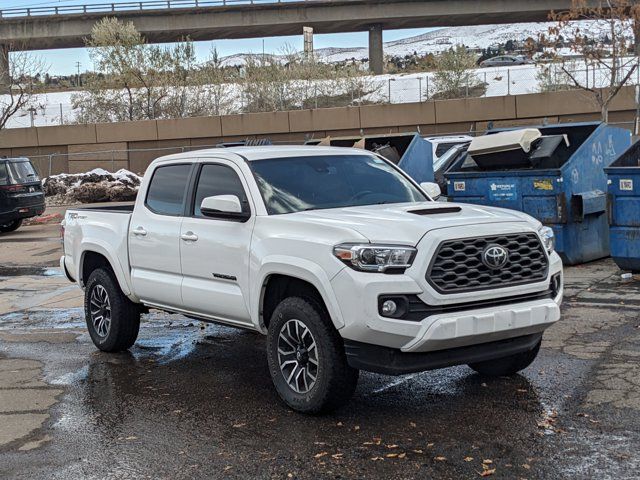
(548, 238)
(375, 258)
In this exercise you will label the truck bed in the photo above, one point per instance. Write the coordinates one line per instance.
(98, 226)
(121, 208)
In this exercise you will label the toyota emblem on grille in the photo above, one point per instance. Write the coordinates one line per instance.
(495, 256)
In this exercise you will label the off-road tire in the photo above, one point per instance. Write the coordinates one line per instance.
(335, 382)
(11, 226)
(125, 315)
(506, 366)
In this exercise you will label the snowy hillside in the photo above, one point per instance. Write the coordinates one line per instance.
(474, 37)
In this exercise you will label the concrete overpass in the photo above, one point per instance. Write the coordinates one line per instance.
(67, 27)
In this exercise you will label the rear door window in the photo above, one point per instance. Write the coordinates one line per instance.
(167, 189)
(4, 174)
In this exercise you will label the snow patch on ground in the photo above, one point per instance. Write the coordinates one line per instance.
(97, 185)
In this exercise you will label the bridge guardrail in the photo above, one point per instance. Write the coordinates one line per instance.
(132, 7)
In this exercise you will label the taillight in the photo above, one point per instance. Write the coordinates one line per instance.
(12, 188)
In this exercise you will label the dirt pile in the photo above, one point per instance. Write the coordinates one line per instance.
(98, 185)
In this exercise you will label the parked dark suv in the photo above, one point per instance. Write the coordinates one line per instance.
(21, 194)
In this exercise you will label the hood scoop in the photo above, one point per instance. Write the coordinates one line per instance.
(435, 211)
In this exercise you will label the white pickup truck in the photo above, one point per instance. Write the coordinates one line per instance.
(335, 254)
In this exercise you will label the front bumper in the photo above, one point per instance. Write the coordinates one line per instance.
(358, 293)
(389, 361)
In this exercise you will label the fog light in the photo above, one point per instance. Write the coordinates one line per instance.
(389, 307)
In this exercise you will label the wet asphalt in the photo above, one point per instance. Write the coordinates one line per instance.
(195, 401)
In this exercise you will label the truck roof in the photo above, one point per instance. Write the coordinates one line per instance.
(265, 152)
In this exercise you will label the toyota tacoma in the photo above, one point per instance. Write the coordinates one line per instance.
(336, 255)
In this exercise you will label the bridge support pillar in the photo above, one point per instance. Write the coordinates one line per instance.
(376, 54)
(5, 72)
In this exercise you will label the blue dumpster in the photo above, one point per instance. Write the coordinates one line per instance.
(409, 151)
(624, 209)
(556, 176)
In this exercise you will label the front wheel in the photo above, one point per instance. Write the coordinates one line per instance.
(506, 366)
(11, 226)
(306, 358)
(112, 319)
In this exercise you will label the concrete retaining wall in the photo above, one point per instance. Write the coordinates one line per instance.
(133, 145)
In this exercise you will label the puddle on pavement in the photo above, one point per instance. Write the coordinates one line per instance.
(30, 239)
(12, 271)
(71, 318)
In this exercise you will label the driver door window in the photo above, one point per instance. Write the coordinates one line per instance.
(218, 180)
(215, 266)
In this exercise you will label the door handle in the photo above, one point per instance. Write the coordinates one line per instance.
(140, 232)
(189, 237)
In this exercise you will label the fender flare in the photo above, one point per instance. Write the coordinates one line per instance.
(297, 268)
(97, 246)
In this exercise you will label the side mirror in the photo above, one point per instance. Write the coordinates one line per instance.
(225, 207)
(432, 189)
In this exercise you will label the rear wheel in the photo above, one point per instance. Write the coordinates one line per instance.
(306, 358)
(506, 366)
(11, 226)
(112, 319)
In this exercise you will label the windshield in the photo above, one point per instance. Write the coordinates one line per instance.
(22, 172)
(295, 184)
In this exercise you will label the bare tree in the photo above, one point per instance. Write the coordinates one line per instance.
(134, 80)
(22, 87)
(217, 92)
(292, 80)
(551, 76)
(454, 77)
(611, 55)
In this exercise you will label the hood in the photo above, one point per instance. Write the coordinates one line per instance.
(408, 223)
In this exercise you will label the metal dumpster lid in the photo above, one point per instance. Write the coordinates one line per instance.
(503, 141)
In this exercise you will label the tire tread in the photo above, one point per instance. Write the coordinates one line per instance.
(343, 379)
(125, 314)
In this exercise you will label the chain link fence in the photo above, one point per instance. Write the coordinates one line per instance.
(56, 108)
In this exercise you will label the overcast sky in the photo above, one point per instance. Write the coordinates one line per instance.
(64, 61)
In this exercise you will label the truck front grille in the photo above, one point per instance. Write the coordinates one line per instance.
(458, 264)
